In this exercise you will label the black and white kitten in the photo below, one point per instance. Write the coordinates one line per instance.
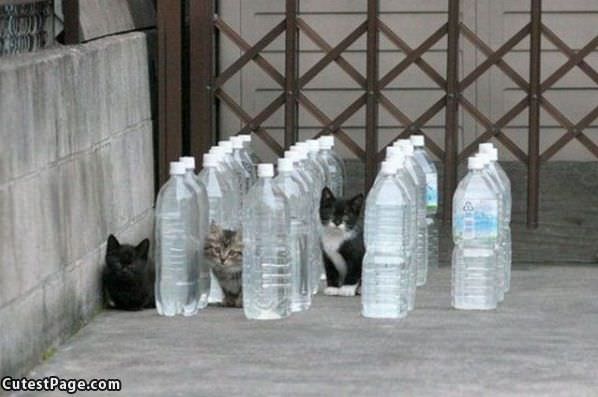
(342, 243)
(128, 278)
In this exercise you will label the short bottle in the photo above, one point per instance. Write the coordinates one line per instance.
(385, 264)
(289, 182)
(177, 247)
(202, 227)
(475, 235)
(266, 254)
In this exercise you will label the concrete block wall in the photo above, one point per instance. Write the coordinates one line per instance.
(76, 164)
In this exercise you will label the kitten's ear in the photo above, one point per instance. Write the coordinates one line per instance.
(327, 198)
(143, 248)
(113, 243)
(214, 228)
(355, 203)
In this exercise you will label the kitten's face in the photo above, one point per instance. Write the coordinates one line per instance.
(125, 259)
(224, 247)
(338, 213)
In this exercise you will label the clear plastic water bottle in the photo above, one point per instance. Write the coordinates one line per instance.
(385, 268)
(177, 247)
(289, 182)
(241, 156)
(266, 256)
(218, 192)
(396, 155)
(475, 234)
(199, 189)
(247, 138)
(233, 193)
(426, 163)
(312, 217)
(334, 165)
(495, 168)
(501, 253)
(313, 146)
(419, 177)
(316, 186)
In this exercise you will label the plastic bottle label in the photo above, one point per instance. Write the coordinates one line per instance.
(477, 219)
(432, 191)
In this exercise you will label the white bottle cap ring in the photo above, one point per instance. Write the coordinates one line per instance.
(388, 167)
(285, 165)
(189, 162)
(265, 170)
(475, 163)
(210, 160)
(417, 140)
(177, 168)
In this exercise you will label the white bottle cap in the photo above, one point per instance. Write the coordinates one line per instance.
(285, 165)
(493, 154)
(475, 163)
(485, 158)
(177, 168)
(388, 167)
(393, 151)
(327, 141)
(417, 140)
(301, 150)
(237, 142)
(210, 160)
(313, 145)
(245, 137)
(265, 170)
(189, 162)
(485, 147)
(226, 145)
(302, 145)
(291, 154)
(406, 146)
(218, 151)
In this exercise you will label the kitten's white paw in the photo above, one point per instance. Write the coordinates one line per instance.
(331, 291)
(347, 290)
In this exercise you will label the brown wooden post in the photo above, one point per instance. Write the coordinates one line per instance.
(452, 109)
(371, 127)
(170, 110)
(291, 119)
(533, 162)
(72, 28)
(201, 70)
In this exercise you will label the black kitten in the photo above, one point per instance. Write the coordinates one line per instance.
(128, 276)
(342, 243)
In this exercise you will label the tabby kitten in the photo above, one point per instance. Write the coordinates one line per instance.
(128, 278)
(342, 243)
(224, 254)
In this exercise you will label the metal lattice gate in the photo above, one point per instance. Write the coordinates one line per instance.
(206, 91)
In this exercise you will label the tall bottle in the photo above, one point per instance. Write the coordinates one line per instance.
(395, 154)
(495, 168)
(218, 192)
(334, 166)
(385, 267)
(242, 157)
(202, 226)
(475, 234)
(315, 181)
(426, 163)
(419, 177)
(266, 256)
(289, 182)
(177, 247)
(313, 146)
